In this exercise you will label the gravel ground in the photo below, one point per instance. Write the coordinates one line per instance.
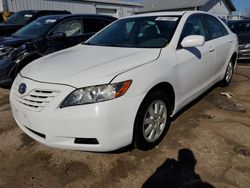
(208, 145)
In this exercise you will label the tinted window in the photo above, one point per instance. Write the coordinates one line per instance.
(240, 27)
(215, 27)
(20, 18)
(193, 26)
(93, 25)
(70, 28)
(234, 27)
(144, 32)
(36, 28)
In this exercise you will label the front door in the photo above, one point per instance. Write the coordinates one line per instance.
(195, 65)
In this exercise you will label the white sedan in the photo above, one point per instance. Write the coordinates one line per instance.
(122, 86)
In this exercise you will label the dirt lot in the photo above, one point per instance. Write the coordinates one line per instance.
(208, 144)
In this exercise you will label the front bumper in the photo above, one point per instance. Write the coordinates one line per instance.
(6, 66)
(110, 123)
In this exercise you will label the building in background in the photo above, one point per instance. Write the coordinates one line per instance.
(1, 6)
(221, 8)
(116, 8)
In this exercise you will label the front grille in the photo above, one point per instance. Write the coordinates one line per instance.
(36, 99)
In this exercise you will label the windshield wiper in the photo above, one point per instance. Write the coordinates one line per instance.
(86, 43)
(111, 45)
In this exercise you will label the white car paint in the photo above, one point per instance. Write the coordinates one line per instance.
(112, 122)
(193, 40)
(83, 63)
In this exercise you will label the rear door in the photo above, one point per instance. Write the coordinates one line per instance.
(221, 40)
(195, 65)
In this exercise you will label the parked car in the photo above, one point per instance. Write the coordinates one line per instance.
(122, 85)
(22, 18)
(242, 29)
(44, 36)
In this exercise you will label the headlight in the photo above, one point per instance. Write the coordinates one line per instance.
(96, 94)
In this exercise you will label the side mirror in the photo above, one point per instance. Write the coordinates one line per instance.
(193, 41)
(58, 35)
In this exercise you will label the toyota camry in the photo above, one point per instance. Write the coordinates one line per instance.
(122, 85)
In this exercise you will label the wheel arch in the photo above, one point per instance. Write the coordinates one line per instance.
(167, 89)
(164, 87)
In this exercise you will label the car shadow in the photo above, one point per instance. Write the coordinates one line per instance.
(178, 173)
(5, 87)
(244, 62)
(194, 51)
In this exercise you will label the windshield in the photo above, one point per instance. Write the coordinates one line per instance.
(20, 18)
(142, 32)
(36, 28)
(240, 27)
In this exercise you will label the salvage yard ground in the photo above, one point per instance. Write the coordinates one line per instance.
(208, 142)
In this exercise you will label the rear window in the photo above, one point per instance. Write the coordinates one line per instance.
(215, 27)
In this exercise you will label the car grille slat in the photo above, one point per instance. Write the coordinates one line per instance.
(36, 99)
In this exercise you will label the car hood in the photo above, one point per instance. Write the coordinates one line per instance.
(14, 41)
(84, 65)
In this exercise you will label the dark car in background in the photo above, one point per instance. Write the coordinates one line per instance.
(242, 29)
(43, 36)
(22, 18)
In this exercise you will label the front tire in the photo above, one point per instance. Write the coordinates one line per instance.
(152, 121)
(228, 75)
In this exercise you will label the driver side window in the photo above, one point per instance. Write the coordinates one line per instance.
(71, 28)
(193, 26)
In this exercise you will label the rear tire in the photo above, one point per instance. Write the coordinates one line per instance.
(228, 74)
(152, 121)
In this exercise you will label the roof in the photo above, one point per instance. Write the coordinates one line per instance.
(39, 11)
(62, 16)
(118, 2)
(165, 13)
(161, 5)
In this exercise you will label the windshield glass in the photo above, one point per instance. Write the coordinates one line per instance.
(142, 32)
(36, 28)
(240, 27)
(20, 18)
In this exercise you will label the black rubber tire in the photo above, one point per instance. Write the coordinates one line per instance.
(138, 139)
(224, 82)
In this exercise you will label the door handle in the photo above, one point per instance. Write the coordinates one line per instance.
(230, 40)
(211, 49)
